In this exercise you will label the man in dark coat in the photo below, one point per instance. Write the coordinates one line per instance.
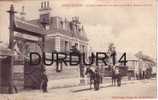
(96, 79)
(113, 76)
(44, 82)
(118, 75)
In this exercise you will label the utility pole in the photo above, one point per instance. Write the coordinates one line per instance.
(11, 46)
(43, 45)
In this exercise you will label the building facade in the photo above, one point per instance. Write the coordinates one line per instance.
(62, 33)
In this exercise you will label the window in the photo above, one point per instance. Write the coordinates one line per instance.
(66, 46)
(76, 45)
(83, 48)
(61, 22)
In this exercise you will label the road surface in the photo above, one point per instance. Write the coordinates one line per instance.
(129, 90)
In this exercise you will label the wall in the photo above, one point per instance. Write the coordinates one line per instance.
(67, 72)
(50, 44)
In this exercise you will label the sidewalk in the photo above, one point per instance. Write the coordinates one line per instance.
(63, 83)
(73, 82)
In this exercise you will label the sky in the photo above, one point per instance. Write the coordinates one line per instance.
(131, 28)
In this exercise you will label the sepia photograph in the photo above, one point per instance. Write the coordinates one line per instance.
(78, 49)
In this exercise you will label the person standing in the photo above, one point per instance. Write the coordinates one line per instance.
(44, 82)
(113, 76)
(136, 71)
(118, 76)
(96, 79)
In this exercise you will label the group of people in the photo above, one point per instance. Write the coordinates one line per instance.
(94, 75)
(143, 74)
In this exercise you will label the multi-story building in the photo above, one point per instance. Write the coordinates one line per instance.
(61, 33)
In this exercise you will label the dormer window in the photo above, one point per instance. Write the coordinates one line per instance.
(62, 25)
(61, 22)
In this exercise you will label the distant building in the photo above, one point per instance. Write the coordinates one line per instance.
(137, 65)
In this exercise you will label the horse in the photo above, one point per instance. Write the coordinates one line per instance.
(91, 75)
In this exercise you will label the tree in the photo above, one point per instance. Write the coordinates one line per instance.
(112, 53)
(144, 57)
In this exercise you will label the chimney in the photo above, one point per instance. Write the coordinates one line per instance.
(22, 13)
(45, 4)
(41, 5)
(45, 12)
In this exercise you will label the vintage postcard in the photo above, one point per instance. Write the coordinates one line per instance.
(78, 49)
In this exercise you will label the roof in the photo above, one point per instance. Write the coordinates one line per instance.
(36, 22)
(68, 33)
(28, 28)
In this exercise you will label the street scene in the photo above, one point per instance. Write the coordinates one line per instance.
(48, 52)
